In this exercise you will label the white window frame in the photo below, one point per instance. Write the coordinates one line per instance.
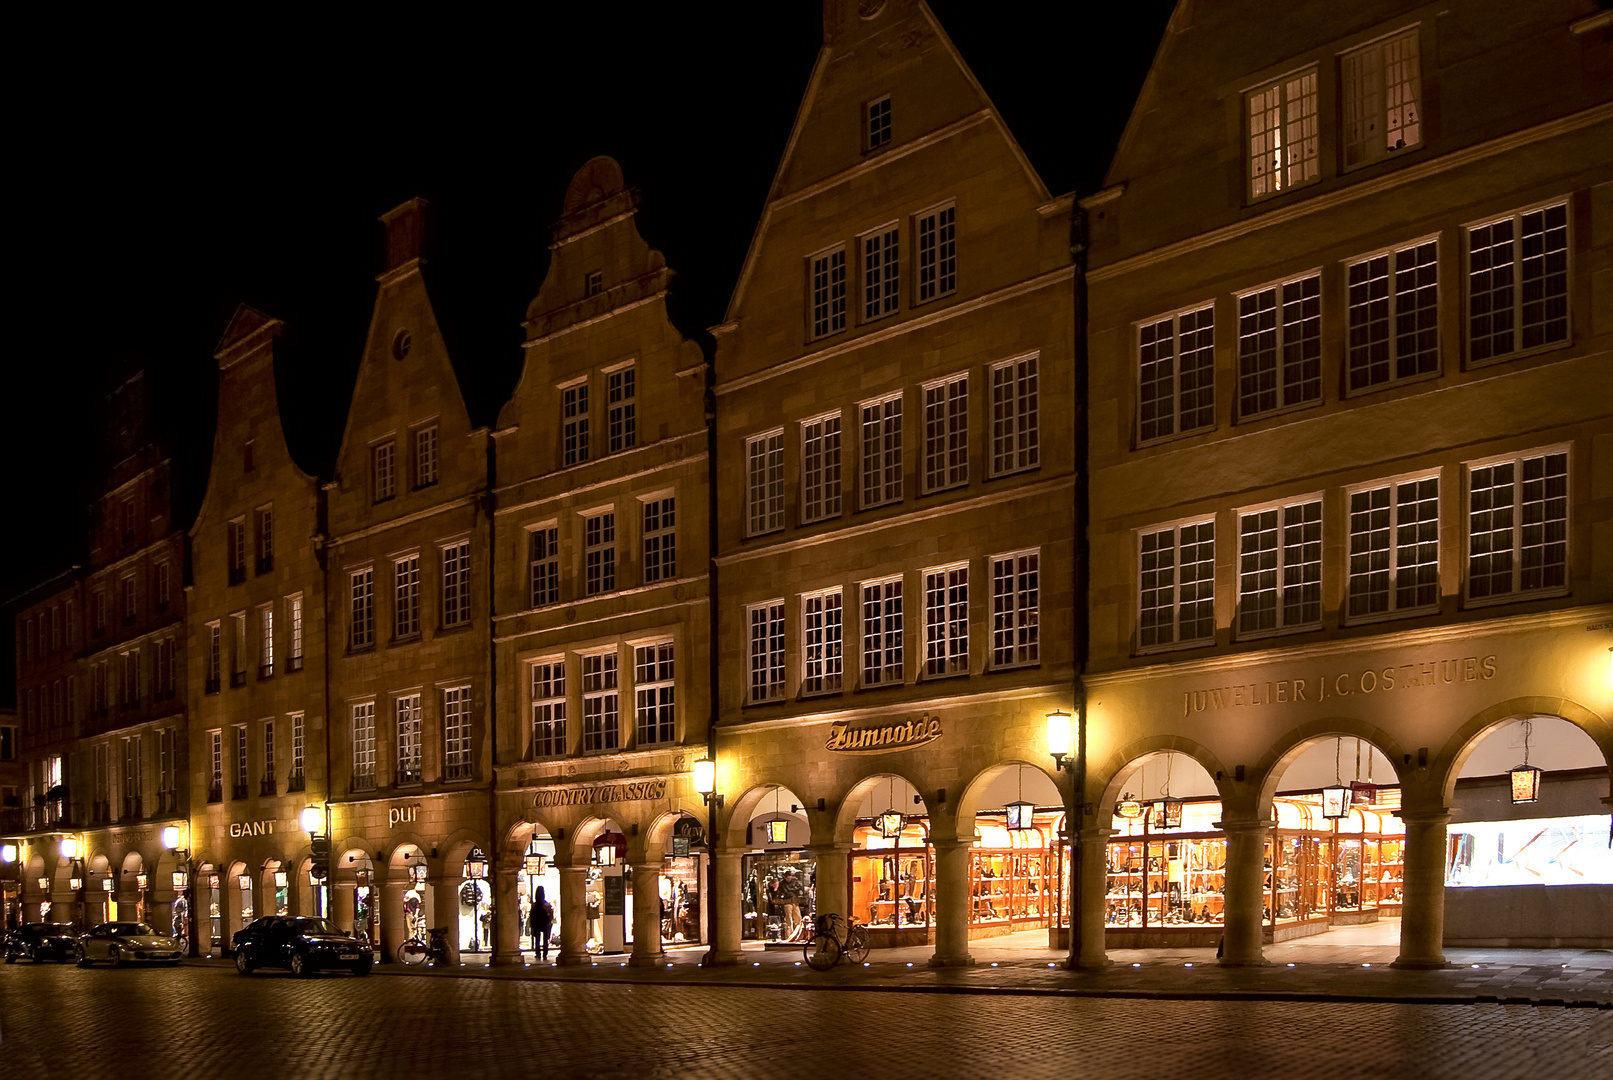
(881, 429)
(1016, 593)
(1519, 525)
(299, 747)
(265, 641)
(1354, 571)
(1374, 306)
(238, 658)
(601, 705)
(767, 652)
(821, 445)
(1282, 566)
(235, 541)
(1372, 106)
(1176, 585)
(215, 654)
(164, 590)
(655, 692)
(658, 537)
(621, 407)
(131, 599)
(241, 771)
(599, 552)
(764, 482)
(877, 123)
(884, 656)
(361, 608)
(935, 252)
(946, 634)
(294, 618)
(823, 636)
(458, 752)
(1280, 333)
(879, 257)
(1518, 264)
(1015, 428)
(384, 469)
(215, 738)
(263, 520)
(946, 432)
(1282, 133)
(546, 681)
(574, 421)
(456, 583)
(543, 564)
(361, 716)
(826, 292)
(268, 751)
(423, 442)
(1201, 384)
(407, 720)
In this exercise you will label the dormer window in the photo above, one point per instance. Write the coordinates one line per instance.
(877, 123)
(595, 282)
(246, 457)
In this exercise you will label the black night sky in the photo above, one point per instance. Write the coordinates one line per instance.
(167, 167)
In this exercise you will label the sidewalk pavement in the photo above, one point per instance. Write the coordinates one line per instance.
(1348, 964)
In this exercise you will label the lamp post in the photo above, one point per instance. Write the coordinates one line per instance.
(1066, 744)
(10, 887)
(705, 782)
(185, 921)
(315, 821)
(70, 851)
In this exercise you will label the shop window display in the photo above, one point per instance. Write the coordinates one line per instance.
(774, 880)
(475, 904)
(1013, 876)
(538, 872)
(1531, 851)
(893, 882)
(608, 896)
(680, 900)
(1163, 875)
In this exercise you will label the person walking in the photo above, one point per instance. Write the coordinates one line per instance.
(539, 923)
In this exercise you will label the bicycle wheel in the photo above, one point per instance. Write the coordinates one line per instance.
(857, 944)
(413, 951)
(822, 952)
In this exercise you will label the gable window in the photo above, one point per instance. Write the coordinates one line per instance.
(383, 470)
(1394, 548)
(163, 670)
(1015, 440)
(881, 262)
(828, 287)
(946, 433)
(821, 642)
(1517, 283)
(164, 591)
(361, 608)
(1517, 526)
(946, 620)
(937, 253)
(599, 553)
(1176, 374)
(543, 565)
(265, 539)
(98, 602)
(1015, 599)
(456, 584)
(131, 600)
(425, 456)
(364, 746)
(820, 468)
(766, 651)
(594, 283)
(877, 123)
(1382, 96)
(406, 596)
(574, 422)
(882, 633)
(1280, 568)
(1176, 585)
(621, 409)
(1393, 301)
(882, 451)
(660, 539)
(655, 691)
(1280, 346)
(549, 708)
(764, 483)
(406, 711)
(235, 540)
(601, 719)
(1282, 134)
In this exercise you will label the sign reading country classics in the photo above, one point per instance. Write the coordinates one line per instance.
(601, 793)
(879, 740)
(1393, 679)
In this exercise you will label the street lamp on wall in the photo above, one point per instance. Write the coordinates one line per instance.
(705, 781)
(184, 925)
(1060, 739)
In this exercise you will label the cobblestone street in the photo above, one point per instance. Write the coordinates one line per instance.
(205, 1021)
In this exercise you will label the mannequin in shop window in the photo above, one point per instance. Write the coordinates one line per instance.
(789, 898)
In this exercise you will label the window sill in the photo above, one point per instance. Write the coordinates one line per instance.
(817, 695)
(1007, 473)
(1520, 354)
(403, 639)
(1388, 384)
(1139, 443)
(357, 650)
(1252, 201)
(1514, 598)
(959, 486)
(1175, 646)
(1027, 665)
(1282, 410)
(1281, 631)
(765, 703)
(927, 677)
(880, 505)
(1390, 616)
(870, 688)
(454, 628)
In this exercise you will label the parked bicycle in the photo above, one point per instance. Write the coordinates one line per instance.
(833, 936)
(418, 950)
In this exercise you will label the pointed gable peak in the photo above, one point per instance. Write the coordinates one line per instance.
(405, 237)
(595, 195)
(247, 331)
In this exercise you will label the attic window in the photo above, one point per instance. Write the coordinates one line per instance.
(596, 282)
(246, 457)
(401, 343)
(877, 123)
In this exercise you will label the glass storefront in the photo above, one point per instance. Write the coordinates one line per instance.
(1012, 876)
(538, 872)
(776, 881)
(893, 881)
(680, 900)
(475, 905)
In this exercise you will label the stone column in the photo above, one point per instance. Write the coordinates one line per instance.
(1422, 916)
(341, 905)
(730, 911)
(1094, 950)
(1243, 941)
(394, 928)
(834, 878)
(445, 911)
(505, 935)
(573, 916)
(951, 904)
(647, 950)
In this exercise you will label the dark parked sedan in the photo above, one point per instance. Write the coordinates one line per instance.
(41, 941)
(301, 944)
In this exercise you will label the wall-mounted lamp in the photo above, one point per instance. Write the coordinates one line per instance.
(1060, 738)
(705, 781)
(8, 853)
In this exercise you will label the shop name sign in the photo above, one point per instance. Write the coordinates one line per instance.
(251, 828)
(402, 815)
(880, 740)
(601, 793)
(1341, 684)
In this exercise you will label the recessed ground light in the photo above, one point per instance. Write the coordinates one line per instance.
(756, 965)
(1136, 965)
(868, 965)
(910, 965)
(993, 965)
(1290, 965)
(1366, 965)
(798, 963)
(1475, 967)
(1052, 965)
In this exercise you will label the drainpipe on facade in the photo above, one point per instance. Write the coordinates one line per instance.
(497, 853)
(1075, 819)
(712, 902)
(322, 556)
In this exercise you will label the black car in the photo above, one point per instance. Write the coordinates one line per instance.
(42, 941)
(304, 945)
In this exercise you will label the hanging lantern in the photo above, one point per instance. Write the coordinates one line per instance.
(280, 879)
(417, 872)
(245, 881)
(1020, 814)
(75, 884)
(476, 865)
(1525, 783)
(1335, 801)
(890, 824)
(1170, 814)
(44, 884)
(779, 831)
(181, 879)
(141, 880)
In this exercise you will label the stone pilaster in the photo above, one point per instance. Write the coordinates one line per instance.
(1422, 915)
(951, 904)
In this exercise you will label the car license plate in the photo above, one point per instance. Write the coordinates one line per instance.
(350, 956)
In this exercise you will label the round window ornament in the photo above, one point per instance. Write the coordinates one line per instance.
(401, 343)
(869, 9)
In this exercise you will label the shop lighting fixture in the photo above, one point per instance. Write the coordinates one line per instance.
(534, 865)
(170, 837)
(8, 853)
(44, 884)
(417, 872)
(1335, 802)
(778, 832)
(245, 881)
(141, 880)
(312, 819)
(1526, 777)
(1170, 813)
(1059, 742)
(476, 865)
(69, 847)
(890, 824)
(181, 879)
(280, 879)
(1129, 808)
(106, 884)
(705, 781)
(75, 884)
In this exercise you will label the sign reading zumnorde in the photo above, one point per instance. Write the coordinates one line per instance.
(632, 791)
(879, 740)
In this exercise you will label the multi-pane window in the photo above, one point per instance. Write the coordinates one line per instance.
(1283, 134)
(425, 456)
(456, 757)
(599, 553)
(1176, 374)
(621, 409)
(764, 483)
(946, 620)
(361, 608)
(299, 749)
(828, 286)
(543, 565)
(163, 673)
(131, 602)
(549, 708)
(660, 539)
(264, 531)
(406, 713)
(294, 646)
(240, 763)
(766, 651)
(1015, 439)
(594, 283)
(215, 788)
(822, 633)
(1280, 567)
(238, 662)
(574, 422)
(364, 746)
(268, 757)
(820, 468)
(1015, 599)
(130, 672)
(882, 451)
(384, 470)
(937, 253)
(1176, 585)
(98, 602)
(881, 257)
(877, 123)
(882, 633)
(215, 655)
(1394, 548)
(1393, 303)
(655, 692)
(1517, 526)
(265, 641)
(165, 590)
(1382, 97)
(235, 542)
(946, 433)
(1280, 346)
(601, 720)
(133, 777)
(1517, 283)
(167, 773)
(456, 583)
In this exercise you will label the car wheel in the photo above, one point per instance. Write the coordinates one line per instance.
(243, 962)
(363, 967)
(114, 956)
(80, 957)
(299, 964)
